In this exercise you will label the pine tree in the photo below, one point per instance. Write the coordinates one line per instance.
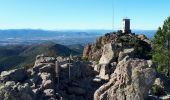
(161, 47)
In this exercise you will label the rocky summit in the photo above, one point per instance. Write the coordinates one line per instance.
(117, 41)
(116, 67)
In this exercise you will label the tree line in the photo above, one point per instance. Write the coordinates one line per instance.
(161, 48)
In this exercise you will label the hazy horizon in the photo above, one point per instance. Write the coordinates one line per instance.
(71, 29)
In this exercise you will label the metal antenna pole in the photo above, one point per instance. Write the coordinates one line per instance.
(70, 58)
(113, 14)
(69, 68)
(57, 70)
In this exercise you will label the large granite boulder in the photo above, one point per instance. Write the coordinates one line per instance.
(110, 52)
(109, 56)
(131, 80)
(104, 72)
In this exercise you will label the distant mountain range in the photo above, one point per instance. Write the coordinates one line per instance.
(67, 37)
(12, 56)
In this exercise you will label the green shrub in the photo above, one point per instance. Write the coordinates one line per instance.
(97, 60)
(99, 46)
(84, 59)
(28, 66)
(159, 68)
(156, 90)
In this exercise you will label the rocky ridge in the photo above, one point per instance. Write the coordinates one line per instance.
(118, 68)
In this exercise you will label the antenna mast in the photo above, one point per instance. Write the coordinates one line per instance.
(113, 14)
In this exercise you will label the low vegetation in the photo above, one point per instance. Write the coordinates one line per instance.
(161, 48)
(156, 90)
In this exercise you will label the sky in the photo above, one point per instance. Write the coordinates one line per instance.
(82, 14)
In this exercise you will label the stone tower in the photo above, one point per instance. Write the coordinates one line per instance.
(126, 26)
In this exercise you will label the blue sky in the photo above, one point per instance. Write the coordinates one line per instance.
(82, 14)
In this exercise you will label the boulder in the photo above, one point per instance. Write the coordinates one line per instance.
(49, 59)
(48, 84)
(108, 54)
(97, 68)
(17, 75)
(45, 76)
(47, 80)
(131, 80)
(43, 59)
(13, 91)
(49, 92)
(104, 72)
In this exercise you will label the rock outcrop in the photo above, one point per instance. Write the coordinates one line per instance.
(41, 82)
(16, 91)
(116, 67)
(131, 80)
(110, 52)
(140, 44)
(125, 65)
